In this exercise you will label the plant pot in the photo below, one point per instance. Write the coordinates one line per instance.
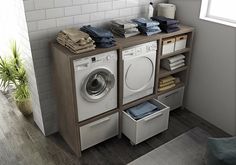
(25, 107)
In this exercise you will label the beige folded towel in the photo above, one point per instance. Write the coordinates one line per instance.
(166, 79)
(166, 87)
(82, 50)
(166, 84)
(74, 34)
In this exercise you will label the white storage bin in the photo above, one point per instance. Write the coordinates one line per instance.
(173, 99)
(180, 42)
(98, 131)
(168, 46)
(142, 129)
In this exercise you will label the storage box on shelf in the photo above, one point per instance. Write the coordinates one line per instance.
(144, 128)
(168, 46)
(180, 42)
(173, 98)
(84, 134)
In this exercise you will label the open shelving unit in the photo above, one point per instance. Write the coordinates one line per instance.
(181, 72)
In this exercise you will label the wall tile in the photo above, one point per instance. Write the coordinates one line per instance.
(46, 24)
(35, 15)
(89, 8)
(55, 13)
(65, 21)
(104, 6)
(74, 10)
(29, 5)
(63, 3)
(112, 14)
(43, 4)
(118, 4)
(85, 18)
(80, 2)
(97, 16)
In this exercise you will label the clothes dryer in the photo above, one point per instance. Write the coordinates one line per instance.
(139, 71)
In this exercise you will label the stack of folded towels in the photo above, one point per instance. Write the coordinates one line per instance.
(173, 63)
(167, 83)
(75, 40)
(124, 28)
(103, 38)
(142, 110)
(166, 24)
(147, 26)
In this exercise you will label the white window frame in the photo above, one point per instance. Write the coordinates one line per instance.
(204, 14)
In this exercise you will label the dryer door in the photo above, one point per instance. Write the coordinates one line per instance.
(139, 73)
(97, 85)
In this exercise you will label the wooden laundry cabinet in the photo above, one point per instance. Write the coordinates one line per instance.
(64, 81)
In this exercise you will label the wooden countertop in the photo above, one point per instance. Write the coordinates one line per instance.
(124, 42)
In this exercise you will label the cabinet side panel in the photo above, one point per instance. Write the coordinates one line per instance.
(65, 101)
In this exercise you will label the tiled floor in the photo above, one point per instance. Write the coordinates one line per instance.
(21, 142)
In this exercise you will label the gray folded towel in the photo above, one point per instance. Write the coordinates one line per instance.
(142, 110)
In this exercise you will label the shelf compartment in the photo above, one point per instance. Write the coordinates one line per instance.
(179, 85)
(175, 53)
(164, 72)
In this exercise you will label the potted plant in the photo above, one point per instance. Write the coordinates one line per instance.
(13, 72)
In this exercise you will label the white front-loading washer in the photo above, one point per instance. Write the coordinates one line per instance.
(96, 84)
(139, 71)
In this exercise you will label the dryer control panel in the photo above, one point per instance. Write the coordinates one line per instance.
(139, 49)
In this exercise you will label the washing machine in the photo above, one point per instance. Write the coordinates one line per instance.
(96, 84)
(139, 71)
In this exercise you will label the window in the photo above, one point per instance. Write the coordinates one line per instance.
(219, 11)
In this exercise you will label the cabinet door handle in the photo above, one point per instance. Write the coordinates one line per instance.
(153, 117)
(99, 122)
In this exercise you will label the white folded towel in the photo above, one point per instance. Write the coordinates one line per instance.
(176, 58)
(166, 64)
(177, 66)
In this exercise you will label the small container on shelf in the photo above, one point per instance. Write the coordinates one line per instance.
(180, 42)
(168, 46)
(173, 98)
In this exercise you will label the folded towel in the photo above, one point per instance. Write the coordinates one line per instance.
(96, 32)
(142, 110)
(166, 87)
(123, 24)
(170, 30)
(82, 50)
(167, 79)
(74, 34)
(165, 63)
(177, 66)
(165, 21)
(145, 22)
(125, 35)
(176, 58)
(120, 30)
(166, 84)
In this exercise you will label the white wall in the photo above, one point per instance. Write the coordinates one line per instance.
(211, 92)
(46, 17)
(13, 28)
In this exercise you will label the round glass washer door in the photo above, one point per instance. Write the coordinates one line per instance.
(139, 74)
(97, 85)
